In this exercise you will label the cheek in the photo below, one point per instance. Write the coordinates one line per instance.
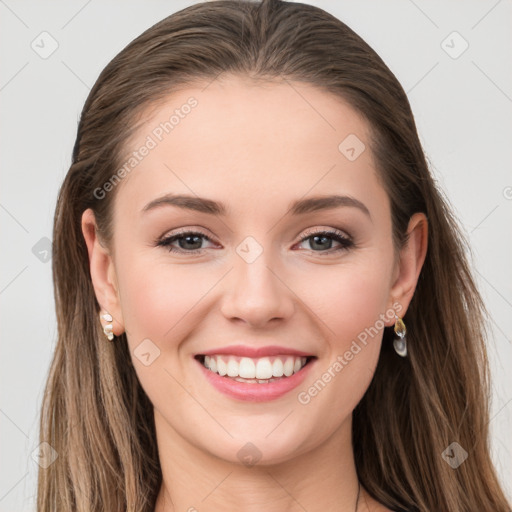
(158, 301)
(351, 307)
(348, 301)
(362, 300)
(156, 297)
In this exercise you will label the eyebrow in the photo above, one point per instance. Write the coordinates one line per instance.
(299, 207)
(199, 204)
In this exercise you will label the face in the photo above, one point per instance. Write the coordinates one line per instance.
(253, 237)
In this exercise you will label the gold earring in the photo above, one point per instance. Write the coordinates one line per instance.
(400, 343)
(107, 330)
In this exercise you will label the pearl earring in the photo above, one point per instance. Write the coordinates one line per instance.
(108, 327)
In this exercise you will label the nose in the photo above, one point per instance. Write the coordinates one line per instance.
(256, 293)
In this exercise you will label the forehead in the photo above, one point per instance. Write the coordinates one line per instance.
(247, 140)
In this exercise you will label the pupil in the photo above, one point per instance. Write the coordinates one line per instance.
(190, 239)
(323, 240)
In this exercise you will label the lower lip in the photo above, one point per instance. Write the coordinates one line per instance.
(256, 392)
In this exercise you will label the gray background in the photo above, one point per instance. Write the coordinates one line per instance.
(462, 104)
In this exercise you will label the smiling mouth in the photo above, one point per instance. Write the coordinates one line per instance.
(262, 370)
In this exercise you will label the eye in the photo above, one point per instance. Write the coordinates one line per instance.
(322, 241)
(191, 242)
(187, 241)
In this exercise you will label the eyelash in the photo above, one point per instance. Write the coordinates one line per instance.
(344, 241)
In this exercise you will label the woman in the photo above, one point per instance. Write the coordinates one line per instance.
(263, 301)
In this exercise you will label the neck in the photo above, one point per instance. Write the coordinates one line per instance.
(193, 480)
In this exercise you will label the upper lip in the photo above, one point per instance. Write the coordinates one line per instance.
(254, 352)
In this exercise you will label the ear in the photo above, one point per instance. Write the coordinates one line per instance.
(103, 273)
(409, 264)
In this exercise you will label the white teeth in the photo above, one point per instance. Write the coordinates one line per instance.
(221, 367)
(262, 370)
(277, 368)
(288, 366)
(232, 368)
(247, 368)
(254, 381)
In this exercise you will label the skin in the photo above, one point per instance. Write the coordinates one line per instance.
(256, 148)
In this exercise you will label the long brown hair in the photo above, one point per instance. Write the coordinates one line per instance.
(95, 413)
